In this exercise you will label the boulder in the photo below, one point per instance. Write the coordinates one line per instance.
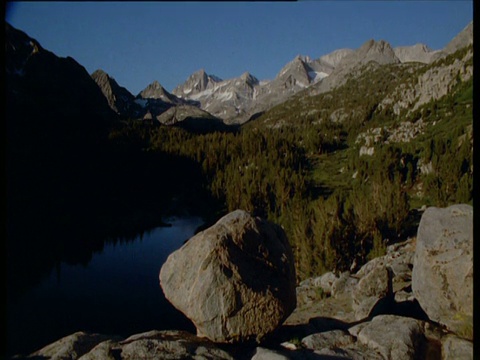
(343, 285)
(442, 276)
(370, 290)
(170, 345)
(328, 339)
(104, 351)
(235, 280)
(394, 337)
(454, 348)
(71, 347)
(351, 352)
(267, 354)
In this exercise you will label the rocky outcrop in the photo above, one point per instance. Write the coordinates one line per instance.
(442, 279)
(74, 346)
(325, 323)
(149, 345)
(235, 280)
(431, 84)
(191, 118)
(169, 345)
(370, 290)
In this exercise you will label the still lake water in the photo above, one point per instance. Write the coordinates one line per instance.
(117, 292)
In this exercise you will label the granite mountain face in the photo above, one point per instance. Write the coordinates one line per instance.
(237, 100)
(119, 98)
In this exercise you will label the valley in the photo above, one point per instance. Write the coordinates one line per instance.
(344, 152)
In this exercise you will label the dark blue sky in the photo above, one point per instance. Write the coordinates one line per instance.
(139, 42)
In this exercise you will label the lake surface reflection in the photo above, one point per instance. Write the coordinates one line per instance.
(118, 292)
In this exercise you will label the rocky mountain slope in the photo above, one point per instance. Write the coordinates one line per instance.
(119, 98)
(156, 103)
(236, 100)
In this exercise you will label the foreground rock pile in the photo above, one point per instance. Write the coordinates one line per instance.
(415, 302)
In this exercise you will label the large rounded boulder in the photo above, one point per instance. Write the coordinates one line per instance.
(235, 280)
(442, 277)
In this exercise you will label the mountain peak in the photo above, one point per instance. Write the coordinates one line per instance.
(463, 38)
(197, 82)
(99, 72)
(154, 91)
(415, 53)
(303, 58)
(380, 52)
(249, 78)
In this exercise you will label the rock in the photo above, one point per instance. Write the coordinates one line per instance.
(403, 295)
(325, 282)
(394, 337)
(170, 345)
(103, 351)
(328, 339)
(71, 347)
(267, 354)
(351, 352)
(372, 288)
(343, 285)
(235, 280)
(355, 329)
(307, 294)
(442, 277)
(454, 348)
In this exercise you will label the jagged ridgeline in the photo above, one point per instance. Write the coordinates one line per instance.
(345, 171)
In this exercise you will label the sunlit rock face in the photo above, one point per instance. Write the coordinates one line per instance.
(442, 278)
(235, 280)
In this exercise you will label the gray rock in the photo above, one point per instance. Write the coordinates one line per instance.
(371, 288)
(235, 280)
(418, 53)
(325, 282)
(71, 347)
(369, 266)
(351, 352)
(355, 329)
(170, 345)
(103, 351)
(442, 278)
(328, 339)
(344, 284)
(394, 337)
(119, 99)
(267, 354)
(157, 91)
(454, 348)
(462, 39)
